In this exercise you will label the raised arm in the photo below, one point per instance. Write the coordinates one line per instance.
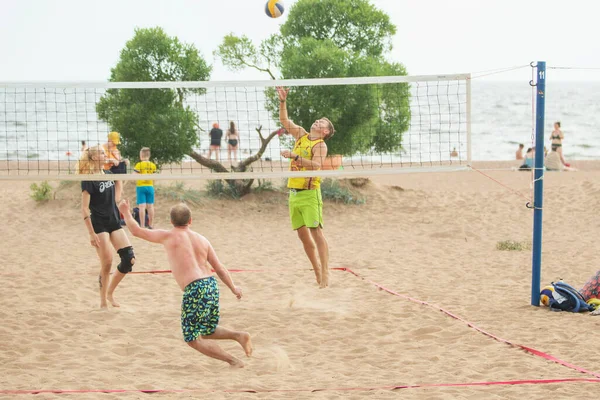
(295, 130)
(154, 235)
(222, 272)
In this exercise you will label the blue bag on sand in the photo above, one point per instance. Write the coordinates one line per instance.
(561, 296)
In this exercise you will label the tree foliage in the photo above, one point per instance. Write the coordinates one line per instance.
(156, 118)
(355, 26)
(331, 39)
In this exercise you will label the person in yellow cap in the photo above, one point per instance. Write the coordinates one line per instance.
(305, 201)
(114, 162)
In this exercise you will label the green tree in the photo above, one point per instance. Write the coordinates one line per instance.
(331, 39)
(157, 118)
(352, 25)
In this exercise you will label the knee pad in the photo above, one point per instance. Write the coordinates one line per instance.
(127, 259)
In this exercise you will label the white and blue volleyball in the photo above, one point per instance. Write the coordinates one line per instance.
(274, 8)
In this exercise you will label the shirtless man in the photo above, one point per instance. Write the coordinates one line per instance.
(519, 153)
(188, 253)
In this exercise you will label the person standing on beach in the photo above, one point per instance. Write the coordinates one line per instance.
(233, 141)
(216, 134)
(189, 254)
(101, 218)
(556, 138)
(305, 201)
(145, 187)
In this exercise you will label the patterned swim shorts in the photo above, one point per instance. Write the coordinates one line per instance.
(591, 290)
(200, 308)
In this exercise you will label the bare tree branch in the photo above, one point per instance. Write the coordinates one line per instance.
(264, 143)
(207, 162)
(267, 70)
(242, 166)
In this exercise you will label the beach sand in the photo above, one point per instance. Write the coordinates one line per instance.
(428, 236)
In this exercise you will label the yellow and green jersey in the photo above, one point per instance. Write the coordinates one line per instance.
(304, 148)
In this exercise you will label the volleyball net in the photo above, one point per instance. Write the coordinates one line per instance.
(383, 125)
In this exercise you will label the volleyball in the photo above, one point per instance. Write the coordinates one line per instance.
(546, 295)
(274, 8)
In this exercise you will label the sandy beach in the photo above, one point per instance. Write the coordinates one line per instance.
(429, 236)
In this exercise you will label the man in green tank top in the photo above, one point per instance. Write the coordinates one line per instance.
(305, 202)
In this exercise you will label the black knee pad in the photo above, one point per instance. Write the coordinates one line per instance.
(127, 259)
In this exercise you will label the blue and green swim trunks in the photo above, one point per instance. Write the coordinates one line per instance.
(200, 308)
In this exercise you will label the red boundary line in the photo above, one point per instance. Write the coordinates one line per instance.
(470, 324)
(168, 271)
(394, 387)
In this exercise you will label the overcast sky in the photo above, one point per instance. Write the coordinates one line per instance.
(81, 39)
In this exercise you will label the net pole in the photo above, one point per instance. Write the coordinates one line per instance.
(538, 190)
(469, 153)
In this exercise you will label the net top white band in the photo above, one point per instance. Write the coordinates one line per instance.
(212, 84)
(239, 175)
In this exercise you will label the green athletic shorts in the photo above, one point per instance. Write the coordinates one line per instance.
(306, 208)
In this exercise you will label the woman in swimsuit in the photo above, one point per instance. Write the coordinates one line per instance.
(233, 141)
(556, 138)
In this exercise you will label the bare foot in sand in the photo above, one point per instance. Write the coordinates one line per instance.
(236, 363)
(318, 276)
(103, 304)
(246, 343)
(324, 283)
(112, 301)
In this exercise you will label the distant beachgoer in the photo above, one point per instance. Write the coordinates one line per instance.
(556, 138)
(454, 153)
(114, 162)
(519, 154)
(145, 188)
(554, 163)
(233, 141)
(215, 141)
(529, 160)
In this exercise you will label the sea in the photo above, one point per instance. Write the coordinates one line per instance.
(49, 124)
(502, 118)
